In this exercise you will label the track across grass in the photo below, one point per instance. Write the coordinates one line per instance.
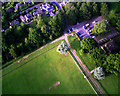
(110, 83)
(32, 55)
(40, 74)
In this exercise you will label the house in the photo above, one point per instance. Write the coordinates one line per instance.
(14, 22)
(47, 7)
(52, 13)
(22, 18)
(37, 12)
(10, 10)
(17, 6)
(28, 3)
(28, 17)
(62, 4)
(111, 46)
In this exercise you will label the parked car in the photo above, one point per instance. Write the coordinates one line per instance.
(90, 31)
(81, 36)
(92, 36)
(86, 26)
(72, 29)
(94, 22)
(78, 33)
(91, 27)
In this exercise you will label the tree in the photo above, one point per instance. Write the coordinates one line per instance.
(88, 44)
(95, 8)
(72, 14)
(12, 51)
(112, 63)
(104, 10)
(111, 15)
(84, 11)
(78, 5)
(97, 55)
(62, 48)
(99, 73)
(101, 28)
(34, 37)
(118, 23)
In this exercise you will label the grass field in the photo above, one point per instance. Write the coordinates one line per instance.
(110, 83)
(41, 73)
(34, 54)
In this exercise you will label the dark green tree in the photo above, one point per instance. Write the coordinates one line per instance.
(104, 10)
(95, 8)
(12, 51)
(88, 44)
(84, 11)
(101, 28)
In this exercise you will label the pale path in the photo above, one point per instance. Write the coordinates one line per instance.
(83, 67)
(60, 38)
(92, 71)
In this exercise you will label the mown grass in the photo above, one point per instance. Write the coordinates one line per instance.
(110, 83)
(42, 72)
(22, 60)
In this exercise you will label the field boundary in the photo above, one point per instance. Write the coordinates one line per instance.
(82, 73)
(27, 61)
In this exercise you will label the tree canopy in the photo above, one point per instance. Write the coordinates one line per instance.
(88, 44)
(101, 28)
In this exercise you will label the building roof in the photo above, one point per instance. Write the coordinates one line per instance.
(14, 22)
(10, 9)
(112, 46)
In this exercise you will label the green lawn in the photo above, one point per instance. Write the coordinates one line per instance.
(110, 83)
(34, 54)
(42, 72)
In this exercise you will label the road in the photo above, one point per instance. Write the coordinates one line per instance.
(83, 67)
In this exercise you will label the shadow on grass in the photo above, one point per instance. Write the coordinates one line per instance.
(102, 87)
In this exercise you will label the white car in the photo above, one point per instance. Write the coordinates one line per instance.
(94, 22)
(93, 37)
(86, 26)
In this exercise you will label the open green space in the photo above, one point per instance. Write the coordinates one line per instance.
(43, 72)
(110, 83)
(32, 55)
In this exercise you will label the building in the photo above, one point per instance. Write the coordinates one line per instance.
(17, 6)
(37, 12)
(14, 22)
(111, 46)
(47, 7)
(22, 18)
(27, 18)
(10, 10)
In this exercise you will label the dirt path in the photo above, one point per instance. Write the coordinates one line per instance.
(88, 74)
(18, 61)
